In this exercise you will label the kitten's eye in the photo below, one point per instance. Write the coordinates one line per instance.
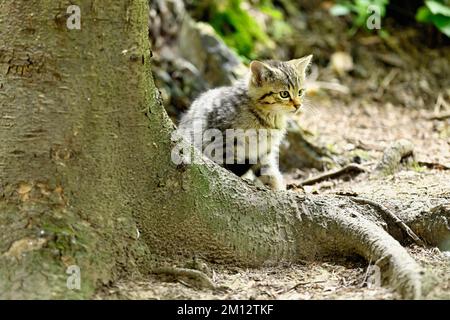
(301, 92)
(284, 94)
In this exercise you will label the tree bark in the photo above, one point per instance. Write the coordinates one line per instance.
(86, 167)
(72, 116)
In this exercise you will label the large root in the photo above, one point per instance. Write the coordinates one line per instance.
(341, 228)
(232, 222)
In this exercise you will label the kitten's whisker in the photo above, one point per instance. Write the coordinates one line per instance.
(310, 107)
(314, 74)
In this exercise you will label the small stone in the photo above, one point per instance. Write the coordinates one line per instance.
(341, 62)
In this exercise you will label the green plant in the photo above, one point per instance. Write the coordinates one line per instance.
(359, 9)
(437, 13)
(237, 27)
(240, 30)
(279, 28)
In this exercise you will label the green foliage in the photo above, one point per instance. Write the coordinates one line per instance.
(239, 28)
(359, 9)
(279, 27)
(437, 13)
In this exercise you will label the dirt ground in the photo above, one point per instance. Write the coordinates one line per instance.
(391, 90)
(336, 280)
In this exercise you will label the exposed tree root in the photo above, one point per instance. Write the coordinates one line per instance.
(252, 227)
(393, 155)
(352, 167)
(391, 216)
(397, 267)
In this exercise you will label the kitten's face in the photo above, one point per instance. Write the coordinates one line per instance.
(278, 86)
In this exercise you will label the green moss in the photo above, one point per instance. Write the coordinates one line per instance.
(364, 155)
(417, 167)
(237, 27)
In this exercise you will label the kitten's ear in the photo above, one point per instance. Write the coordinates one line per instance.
(260, 72)
(301, 64)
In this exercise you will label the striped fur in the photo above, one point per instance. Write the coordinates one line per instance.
(271, 92)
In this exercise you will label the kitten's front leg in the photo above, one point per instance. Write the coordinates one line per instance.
(274, 181)
(270, 175)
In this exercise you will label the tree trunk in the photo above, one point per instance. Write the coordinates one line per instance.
(86, 167)
(74, 154)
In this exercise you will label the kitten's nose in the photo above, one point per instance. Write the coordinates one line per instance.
(297, 104)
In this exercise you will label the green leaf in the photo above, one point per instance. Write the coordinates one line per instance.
(442, 23)
(339, 10)
(272, 12)
(438, 8)
(423, 14)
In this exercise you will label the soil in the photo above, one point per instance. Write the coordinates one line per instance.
(310, 280)
(390, 93)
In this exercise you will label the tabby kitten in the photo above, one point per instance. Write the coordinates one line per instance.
(257, 105)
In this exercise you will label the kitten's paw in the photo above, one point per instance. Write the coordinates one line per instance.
(274, 182)
(278, 185)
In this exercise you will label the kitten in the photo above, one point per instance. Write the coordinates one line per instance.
(257, 105)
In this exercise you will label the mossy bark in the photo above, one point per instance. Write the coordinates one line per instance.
(71, 120)
(86, 169)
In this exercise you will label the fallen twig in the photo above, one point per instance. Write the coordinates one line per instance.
(440, 102)
(195, 278)
(334, 174)
(364, 145)
(304, 283)
(346, 193)
(386, 81)
(391, 216)
(439, 116)
(433, 165)
(366, 275)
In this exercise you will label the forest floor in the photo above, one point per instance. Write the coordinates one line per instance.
(393, 87)
(344, 129)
